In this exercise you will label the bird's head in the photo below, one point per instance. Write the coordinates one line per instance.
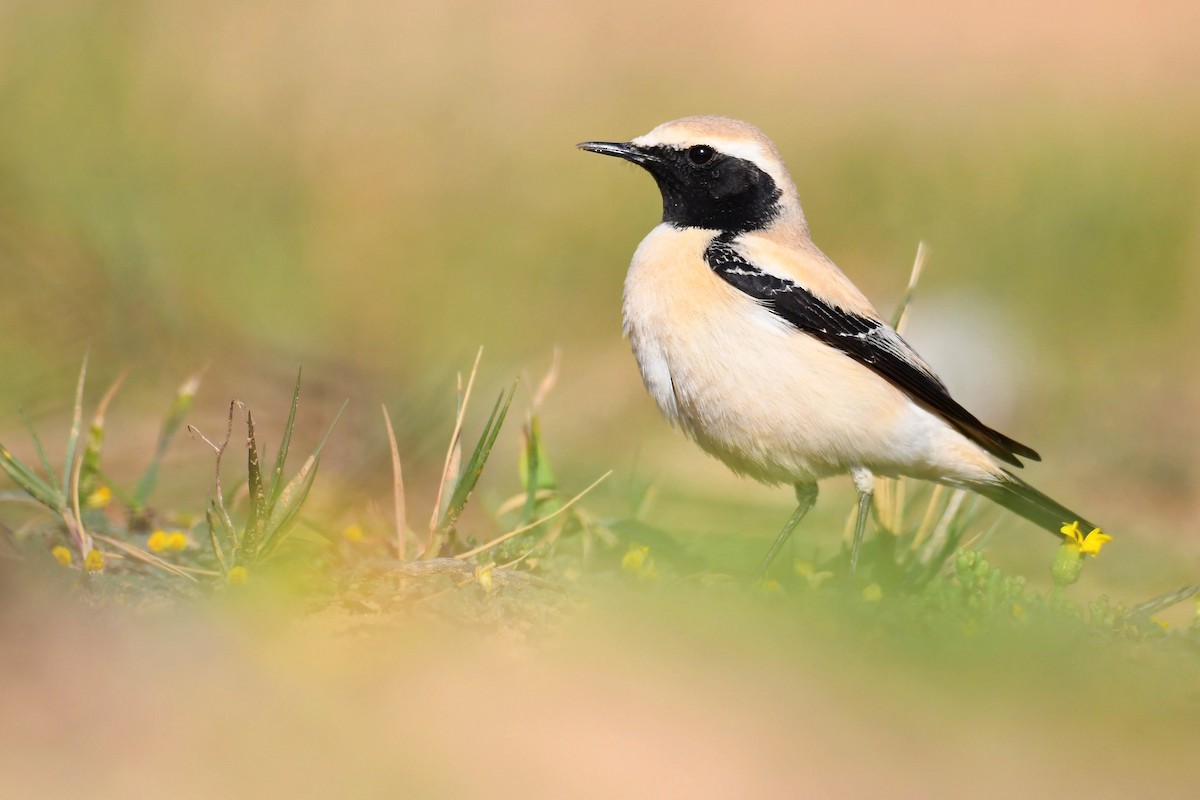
(713, 172)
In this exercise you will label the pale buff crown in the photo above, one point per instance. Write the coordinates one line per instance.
(732, 137)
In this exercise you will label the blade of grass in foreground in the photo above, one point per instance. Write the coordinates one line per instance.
(453, 454)
(178, 411)
(397, 489)
(276, 485)
(37, 443)
(257, 521)
(38, 489)
(90, 478)
(483, 449)
(526, 528)
(76, 430)
(292, 498)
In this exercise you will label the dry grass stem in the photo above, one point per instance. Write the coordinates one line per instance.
(141, 555)
(453, 452)
(525, 528)
(397, 489)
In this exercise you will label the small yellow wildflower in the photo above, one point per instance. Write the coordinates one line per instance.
(62, 555)
(484, 576)
(873, 593)
(635, 558)
(177, 541)
(637, 561)
(237, 576)
(158, 541)
(352, 533)
(99, 498)
(94, 561)
(770, 586)
(1088, 545)
(1162, 623)
(803, 568)
(1018, 612)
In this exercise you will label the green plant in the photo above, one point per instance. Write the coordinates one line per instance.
(272, 504)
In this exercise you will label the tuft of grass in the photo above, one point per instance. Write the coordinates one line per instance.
(81, 477)
(922, 572)
(273, 506)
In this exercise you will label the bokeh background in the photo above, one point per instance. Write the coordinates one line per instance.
(374, 190)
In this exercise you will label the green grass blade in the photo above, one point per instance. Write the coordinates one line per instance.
(535, 473)
(287, 512)
(258, 499)
(37, 442)
(172, 422)
(276, 485)
(292, 496)
(213, 519)
(76, 430)
(89, 473)
(530, 463)
(40, 490)
(474, 468)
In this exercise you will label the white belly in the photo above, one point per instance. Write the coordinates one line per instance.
(771, 402)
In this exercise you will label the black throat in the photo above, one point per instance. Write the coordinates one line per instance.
(725, 194)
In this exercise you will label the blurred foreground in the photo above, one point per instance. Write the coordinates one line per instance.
(614, 692)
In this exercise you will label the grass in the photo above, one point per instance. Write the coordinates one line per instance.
(542, 570)
(927, 624)
(922, 566)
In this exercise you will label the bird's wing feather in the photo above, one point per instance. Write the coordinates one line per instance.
(869, 341)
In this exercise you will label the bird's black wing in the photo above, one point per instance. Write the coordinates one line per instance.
(868, 341)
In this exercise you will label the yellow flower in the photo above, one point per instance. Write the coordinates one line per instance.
(770, 586)
(637, 561)
(177, 541)
(237, 576)
(99, 498)
(635, 558)
(352, 533)
(94, 561)
(803, 568)
(873, 593)
(1088, 545)
(158, 541)
(484, 576)
(1094, 541)
(62, 555)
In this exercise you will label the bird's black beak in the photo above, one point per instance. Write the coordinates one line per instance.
(626, 150)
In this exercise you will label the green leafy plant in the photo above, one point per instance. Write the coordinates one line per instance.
(272, 504)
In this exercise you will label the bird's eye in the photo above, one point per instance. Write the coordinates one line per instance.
(700, 155)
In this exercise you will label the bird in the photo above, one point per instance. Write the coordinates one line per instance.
(755, 344)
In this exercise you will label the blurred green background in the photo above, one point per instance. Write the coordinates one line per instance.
(374, 190)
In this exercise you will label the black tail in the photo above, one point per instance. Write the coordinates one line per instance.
(1019, 497)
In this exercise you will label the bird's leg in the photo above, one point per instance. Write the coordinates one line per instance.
(806, 497)
(864, 482)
